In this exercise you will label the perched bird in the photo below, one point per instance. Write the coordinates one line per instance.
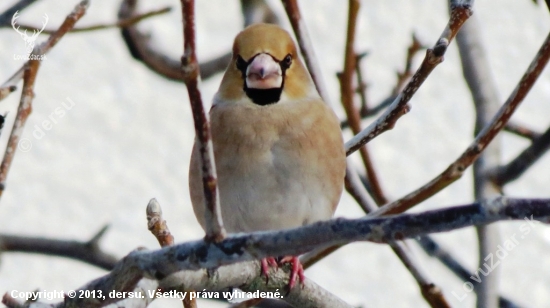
(278, 147)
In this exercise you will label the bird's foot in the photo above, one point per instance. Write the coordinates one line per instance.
(296, 271)
(266, 263)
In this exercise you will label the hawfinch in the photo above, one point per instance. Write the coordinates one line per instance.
(278, 147)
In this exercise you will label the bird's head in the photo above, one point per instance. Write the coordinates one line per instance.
(265, 66)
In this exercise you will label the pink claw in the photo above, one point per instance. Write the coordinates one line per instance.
(266, 263)
(296, 272)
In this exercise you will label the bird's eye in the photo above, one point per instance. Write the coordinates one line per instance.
(241, 64)
(287, 61)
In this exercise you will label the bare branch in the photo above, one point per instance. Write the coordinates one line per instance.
(362, 85)
(306, 47)
(456, 169)
(190, 72)
(431, 292)
(434, 250)
(141, 50)
(354, 186)
(28, 72)
(121, 23)
(515, 168)
(521, 131)
(23, 112)
(45, 47)
(5, 18)
(157, 225)
(406, 74)
(160, 264)
(88, 252)
(402, 78)
(477, 72)
(4, 92)
(399, 107)
(347, 95)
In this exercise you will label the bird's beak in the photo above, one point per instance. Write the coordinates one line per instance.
(263, 73)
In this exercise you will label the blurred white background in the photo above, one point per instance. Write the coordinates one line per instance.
(128, 138)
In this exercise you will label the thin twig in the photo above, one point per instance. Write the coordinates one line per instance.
(158, 227)
(5, 18)
(23, 112)
(362, 85)
(434, 250)
(306, 47)
(403, 77)
(142, 50)
(372, 111)
(190, 72)
(515, 168)
(429, 290)
(88, 252)
(28, 72)
(4, 92)
(121, 23)
(521, 131)
(400, 106)
(354, 186)
(347, 96)
(457, 168)
(52, 40)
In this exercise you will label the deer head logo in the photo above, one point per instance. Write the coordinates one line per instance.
(29, 40)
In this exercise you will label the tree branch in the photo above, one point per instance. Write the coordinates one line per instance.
(432, 249)
(402, 78)
(5, 18)
(190, 72)
(140, 49)
(236, 248)
(306, 47)
(52, 40)
(521, 131)
(157, 225)
(23, 112)
(457, 168)
(28, 72)
(121, 23)
(347, 97)
(88, 251)
(399, 107)
(429, 290)
(477, 72)
(515, 168)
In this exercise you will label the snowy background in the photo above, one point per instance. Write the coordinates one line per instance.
(128, 138)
